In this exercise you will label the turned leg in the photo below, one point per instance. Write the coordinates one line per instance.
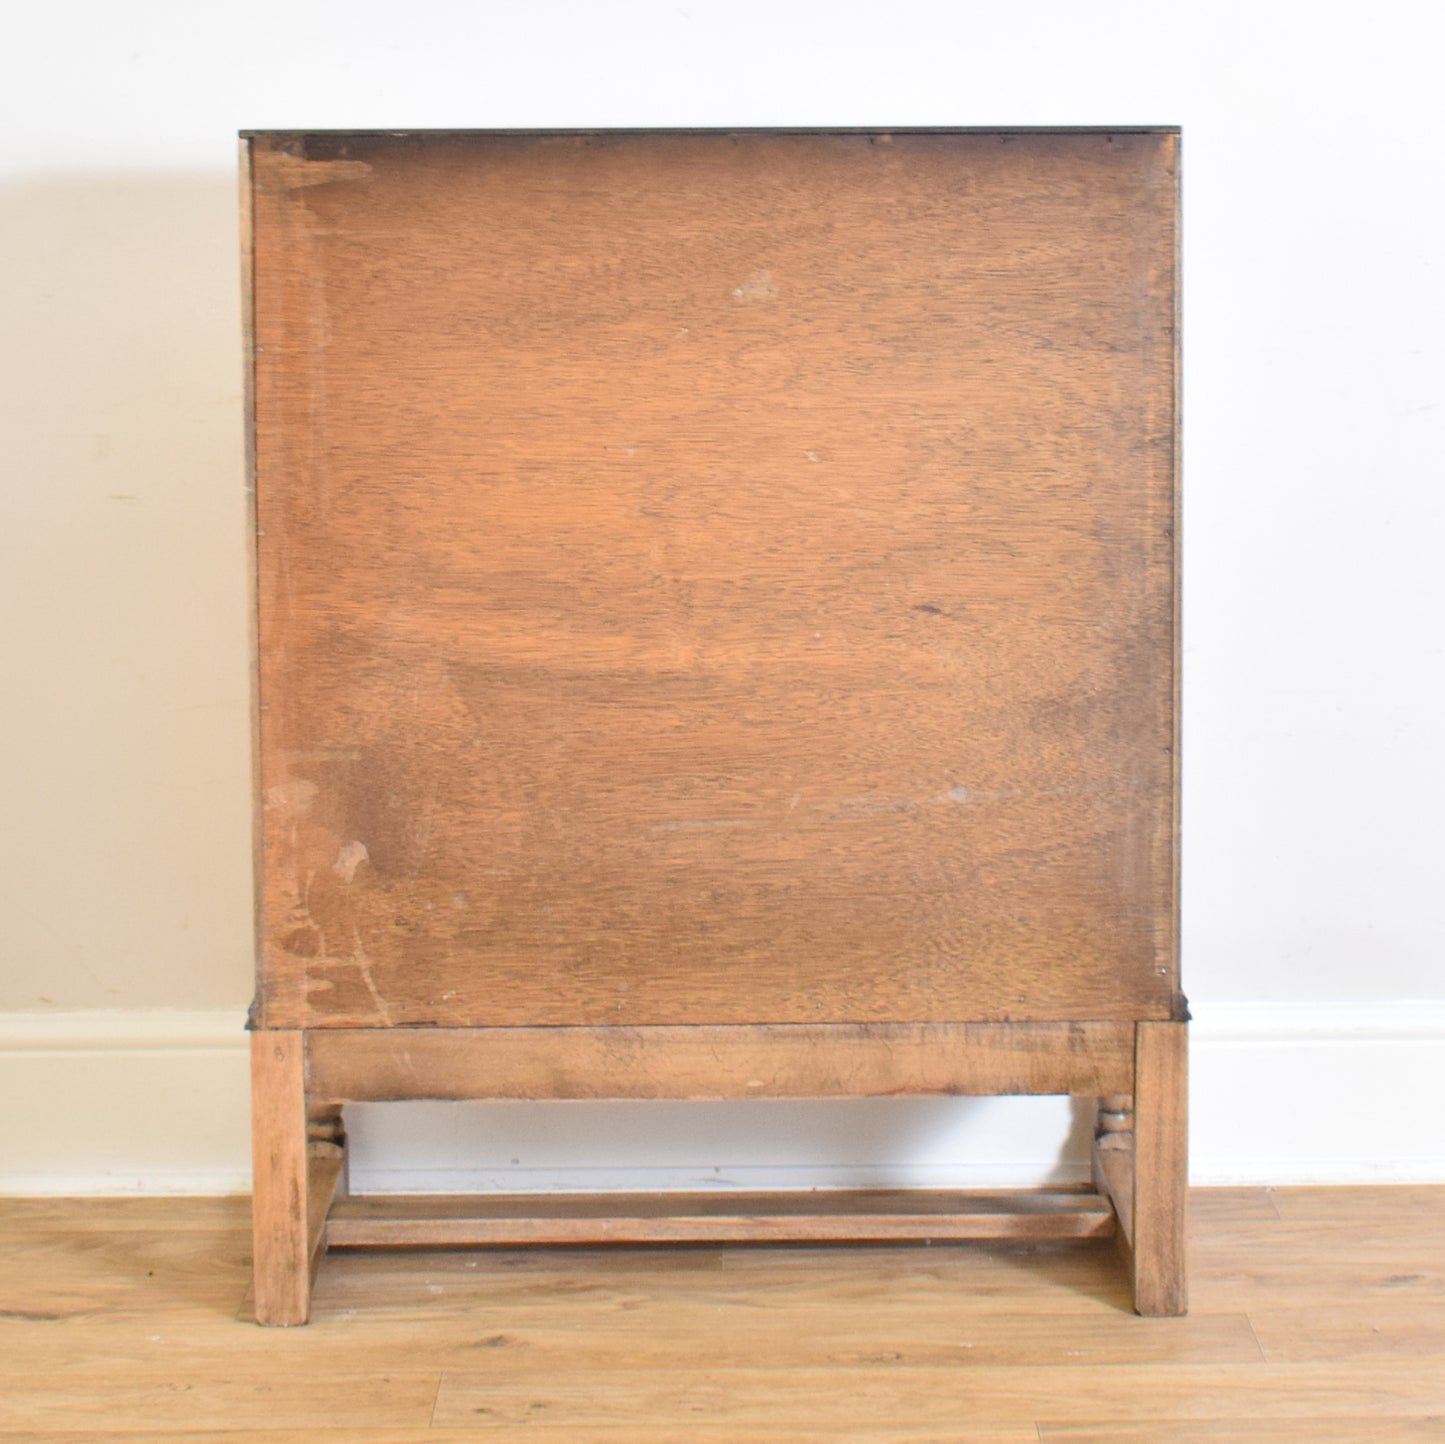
(1114, 1162)
(280, 1214)
(326, 1134)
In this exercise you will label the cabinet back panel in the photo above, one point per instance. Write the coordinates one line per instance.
(715, 579)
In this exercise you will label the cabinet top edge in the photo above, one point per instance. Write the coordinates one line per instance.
(641, 131)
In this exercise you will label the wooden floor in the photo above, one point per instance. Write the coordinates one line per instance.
(1318, 1315)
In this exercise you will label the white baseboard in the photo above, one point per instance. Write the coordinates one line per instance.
(1294, 1093)
(124, 1102)
(1280, 1093)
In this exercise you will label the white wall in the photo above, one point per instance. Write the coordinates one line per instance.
(1315, 600)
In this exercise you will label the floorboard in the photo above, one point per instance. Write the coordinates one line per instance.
(1317, 1315)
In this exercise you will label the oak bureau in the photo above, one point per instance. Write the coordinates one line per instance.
(716, 637)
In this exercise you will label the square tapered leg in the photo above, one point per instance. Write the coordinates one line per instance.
(1141, 1164)
(279, 1207)
(1161, 1169)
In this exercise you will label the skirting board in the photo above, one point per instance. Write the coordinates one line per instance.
(1281, 1093)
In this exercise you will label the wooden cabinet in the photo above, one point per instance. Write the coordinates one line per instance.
(716, 638)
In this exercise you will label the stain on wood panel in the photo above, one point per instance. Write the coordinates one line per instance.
(715, 579)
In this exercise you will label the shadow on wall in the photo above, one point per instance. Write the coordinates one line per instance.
(124, 868)
(125, 875)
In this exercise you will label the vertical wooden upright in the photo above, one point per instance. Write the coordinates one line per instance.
(279, 1206)
(1161, 1169)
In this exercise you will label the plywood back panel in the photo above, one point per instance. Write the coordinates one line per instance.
(715, 578)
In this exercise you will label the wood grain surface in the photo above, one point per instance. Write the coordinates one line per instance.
(833, 1060)
(806, 1216)
(284, 1225)
(715, 579)
(125, 1319)
(1159, 1227)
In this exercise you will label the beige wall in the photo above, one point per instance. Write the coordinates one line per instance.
(1314, 780)
(124, 851)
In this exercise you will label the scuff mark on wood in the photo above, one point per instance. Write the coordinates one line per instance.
(759, 286)
(703, 824)
(351, 856)
(295, 172)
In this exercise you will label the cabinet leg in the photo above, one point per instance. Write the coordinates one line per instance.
(1114, 1165)
(279, 1159)
(1161, 1169)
